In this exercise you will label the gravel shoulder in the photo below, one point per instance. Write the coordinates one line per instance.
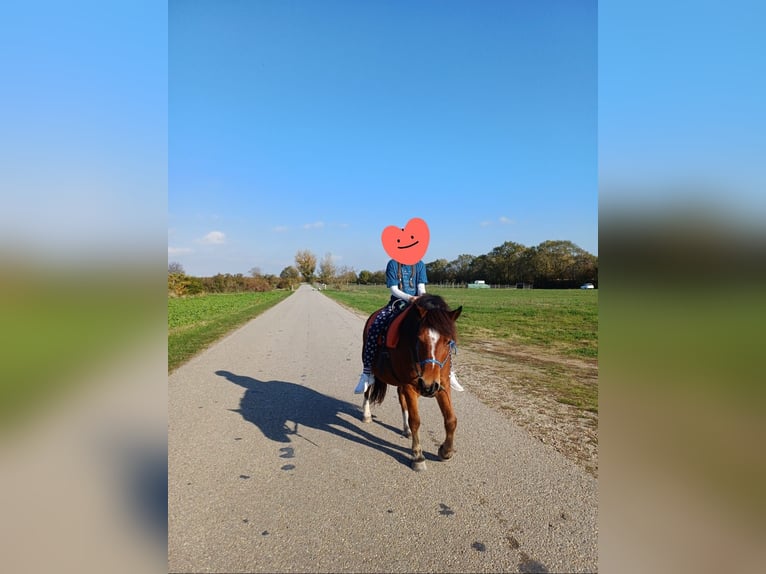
(502, 381)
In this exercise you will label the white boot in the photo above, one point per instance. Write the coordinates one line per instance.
(364, 381)
(453, 382)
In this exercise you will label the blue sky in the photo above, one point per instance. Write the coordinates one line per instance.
(314, 125)
(682, 87)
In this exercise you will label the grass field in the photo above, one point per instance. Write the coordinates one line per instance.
(560, 321)
(542, 340)
(196, 322)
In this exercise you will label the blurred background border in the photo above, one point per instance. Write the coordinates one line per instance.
(83, 285)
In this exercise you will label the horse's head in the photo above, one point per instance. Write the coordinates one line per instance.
(436, 340)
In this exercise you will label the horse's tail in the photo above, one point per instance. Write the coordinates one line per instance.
(378, 392)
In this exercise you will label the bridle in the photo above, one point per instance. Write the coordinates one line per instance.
(452, 347)
(431, 391)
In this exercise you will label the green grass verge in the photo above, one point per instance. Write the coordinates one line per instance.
(559, 321)
(196, 322)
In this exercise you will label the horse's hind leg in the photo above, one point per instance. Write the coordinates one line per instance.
(403, 403)
(447, 449)
(366, 414)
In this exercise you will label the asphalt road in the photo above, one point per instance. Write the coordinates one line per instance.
(270, 468)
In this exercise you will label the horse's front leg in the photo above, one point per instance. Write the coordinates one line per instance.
(403, 403)
(443, 397)
(411, 399)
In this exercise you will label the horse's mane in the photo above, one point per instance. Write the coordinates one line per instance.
(437, 315)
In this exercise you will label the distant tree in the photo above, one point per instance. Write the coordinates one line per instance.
(559, 263)
(259, 283)
(306, 263)
(364, 277)
(437, 271)
(289, 278)
(378, 278)
(527, 266)
(327, 269)
(504, 263)
(176, 284)
(482, 268)
(459, 270)
(255, 272)
(586, 268)
(175, 268)
(194, 286)
(345, 276)
(272, 280)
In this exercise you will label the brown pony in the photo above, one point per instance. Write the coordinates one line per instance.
(419, 364)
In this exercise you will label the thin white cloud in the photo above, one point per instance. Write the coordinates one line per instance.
(315, 225)
(214, 238)
(179, 250)
(502, 220)
(281, 228)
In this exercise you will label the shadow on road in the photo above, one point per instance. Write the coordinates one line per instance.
(273, 405)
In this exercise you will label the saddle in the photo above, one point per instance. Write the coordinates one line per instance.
(390, 334)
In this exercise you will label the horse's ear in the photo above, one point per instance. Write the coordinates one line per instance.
(421, 310)
(456, 313)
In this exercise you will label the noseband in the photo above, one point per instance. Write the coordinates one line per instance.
(431, 391)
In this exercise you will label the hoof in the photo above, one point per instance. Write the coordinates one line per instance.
(406, 434)
(444, 454)
(366, 419)
(418, 465)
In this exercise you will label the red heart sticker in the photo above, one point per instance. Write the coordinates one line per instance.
(406, 245)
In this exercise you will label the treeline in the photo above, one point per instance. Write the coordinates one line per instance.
(551, 264)
(180, 284)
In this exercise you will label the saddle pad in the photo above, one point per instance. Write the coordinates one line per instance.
(392, 336)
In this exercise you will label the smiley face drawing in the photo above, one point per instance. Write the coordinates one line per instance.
(407, 244)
